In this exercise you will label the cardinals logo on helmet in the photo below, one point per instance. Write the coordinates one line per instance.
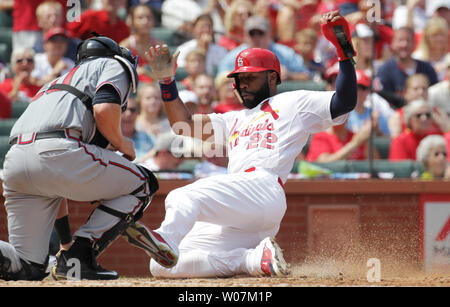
(240, 62)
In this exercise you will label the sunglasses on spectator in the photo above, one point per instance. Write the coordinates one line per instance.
(256, 32)
(419, 115)
(29, 60)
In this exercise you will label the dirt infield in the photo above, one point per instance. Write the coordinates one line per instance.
(310, 275)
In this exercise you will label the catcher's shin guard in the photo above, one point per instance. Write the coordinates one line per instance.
(112, 234)
(147, 189)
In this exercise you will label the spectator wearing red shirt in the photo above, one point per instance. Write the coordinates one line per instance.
(416, 88)
(141, 22)
(418, 119)
(26, 30)
(22, 86)
(234, 21)
(105, 22)
(5, 106)
(339, 143)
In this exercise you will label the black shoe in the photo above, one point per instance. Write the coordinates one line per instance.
(29, 270)
(5, 264)
(73, 265)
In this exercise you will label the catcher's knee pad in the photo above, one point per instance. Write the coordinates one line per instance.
(144, 193)
(151, 180)
(146, 190)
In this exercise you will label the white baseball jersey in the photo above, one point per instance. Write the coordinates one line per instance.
(218, 220)
(271, 135)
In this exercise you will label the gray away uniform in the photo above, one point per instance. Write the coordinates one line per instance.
(39, 173)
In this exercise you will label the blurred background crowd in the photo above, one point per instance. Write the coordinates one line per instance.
(402, 62)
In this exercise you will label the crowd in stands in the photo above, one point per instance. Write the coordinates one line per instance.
(402, 63)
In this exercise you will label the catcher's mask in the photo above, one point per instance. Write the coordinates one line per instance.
(102, 46)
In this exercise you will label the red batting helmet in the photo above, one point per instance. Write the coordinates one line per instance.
(256, 60)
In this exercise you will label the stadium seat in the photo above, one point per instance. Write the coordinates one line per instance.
(181, 74)
(5, 53)
(6, 38)
(401, 169)
(6, 19)
(6, 126)
(163, 34)
(382, 144)
(335, 167)
(4, 147)
(300, 85)
(18, 108)
(188, 165)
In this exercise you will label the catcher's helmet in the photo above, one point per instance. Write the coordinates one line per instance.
(102, 46)
(256, 60)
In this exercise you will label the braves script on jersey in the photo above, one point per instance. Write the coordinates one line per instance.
(271, 135)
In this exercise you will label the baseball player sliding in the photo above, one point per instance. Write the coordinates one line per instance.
(59, 151)
(225, 225)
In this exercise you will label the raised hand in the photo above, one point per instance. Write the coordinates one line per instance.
(163, 65)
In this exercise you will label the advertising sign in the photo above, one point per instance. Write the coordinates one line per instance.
(436, 235)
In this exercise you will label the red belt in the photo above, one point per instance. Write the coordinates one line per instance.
(252, 169)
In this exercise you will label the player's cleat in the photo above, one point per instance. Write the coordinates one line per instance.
(79, 262)
(152, 243)
(5, 265)
(272, 260)
(69, 268)
(51, 264)
(27, 270)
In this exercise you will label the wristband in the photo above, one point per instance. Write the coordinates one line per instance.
(63, 229)
(169, 91)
